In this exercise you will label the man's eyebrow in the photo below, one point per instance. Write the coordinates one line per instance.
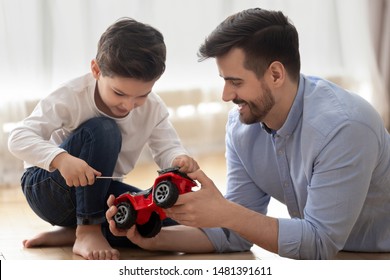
(231, 78)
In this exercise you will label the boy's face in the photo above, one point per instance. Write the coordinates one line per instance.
(117, 96)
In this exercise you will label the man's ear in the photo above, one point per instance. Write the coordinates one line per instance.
(95, 69)
(277, 73)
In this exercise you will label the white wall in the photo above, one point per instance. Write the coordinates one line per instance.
(46, 42)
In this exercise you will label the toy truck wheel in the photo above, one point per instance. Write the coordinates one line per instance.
(165, 194)
(151, 227)
(126, 216)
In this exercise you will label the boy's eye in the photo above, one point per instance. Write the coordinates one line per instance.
(118, 93)
(144, 96)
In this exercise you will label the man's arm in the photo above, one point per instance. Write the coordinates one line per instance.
(203, 208)
(174, 238)
(208, 208)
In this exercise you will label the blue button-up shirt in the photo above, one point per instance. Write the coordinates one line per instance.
(329, 164)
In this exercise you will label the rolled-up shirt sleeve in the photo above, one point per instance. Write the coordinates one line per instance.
(225, 240)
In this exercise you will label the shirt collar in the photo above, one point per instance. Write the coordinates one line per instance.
(293, 116)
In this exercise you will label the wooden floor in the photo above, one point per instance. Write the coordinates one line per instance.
(18, 222)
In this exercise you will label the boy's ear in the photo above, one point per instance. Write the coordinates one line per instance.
(95, 69)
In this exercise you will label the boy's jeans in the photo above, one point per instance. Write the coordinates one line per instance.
(98, 142)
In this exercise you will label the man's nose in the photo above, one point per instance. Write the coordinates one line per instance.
(228, 94)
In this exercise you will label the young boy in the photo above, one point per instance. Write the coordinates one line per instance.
(96, 125)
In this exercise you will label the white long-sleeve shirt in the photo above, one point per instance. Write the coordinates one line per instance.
(36, 141)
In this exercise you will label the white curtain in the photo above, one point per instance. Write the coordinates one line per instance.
(380, 29)
(46, 42)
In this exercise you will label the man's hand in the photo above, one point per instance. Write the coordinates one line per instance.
(110, 213)
(208, 208)
(203, 208)
(187, 164)
(75, 171)
(132, 233)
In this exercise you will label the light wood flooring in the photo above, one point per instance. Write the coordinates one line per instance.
(18, 222)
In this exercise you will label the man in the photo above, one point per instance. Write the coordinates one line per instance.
(322, 151)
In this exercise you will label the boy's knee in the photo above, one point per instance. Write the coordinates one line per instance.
(103, 127)
(101, 123)
(108, 125)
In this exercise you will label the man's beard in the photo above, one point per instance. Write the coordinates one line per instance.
(258, 108)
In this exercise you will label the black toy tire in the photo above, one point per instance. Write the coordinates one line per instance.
(152, 227)
(126, 216)
(165, 194)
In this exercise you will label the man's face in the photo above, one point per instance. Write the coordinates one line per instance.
(253, 97)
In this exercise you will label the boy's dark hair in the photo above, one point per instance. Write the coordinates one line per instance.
(264, 36)
(131, 49)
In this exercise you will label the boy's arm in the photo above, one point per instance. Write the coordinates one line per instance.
(164, 142)
(31, 141)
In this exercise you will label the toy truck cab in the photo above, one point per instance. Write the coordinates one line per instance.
(145, 208)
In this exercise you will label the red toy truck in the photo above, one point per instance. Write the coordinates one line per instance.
(145, 208)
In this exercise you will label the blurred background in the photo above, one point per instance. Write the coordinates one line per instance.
(44, 43)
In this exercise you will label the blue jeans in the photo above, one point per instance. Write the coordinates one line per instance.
(98, 142)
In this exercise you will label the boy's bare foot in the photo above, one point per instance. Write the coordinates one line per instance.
(63, 236)
(92, 245)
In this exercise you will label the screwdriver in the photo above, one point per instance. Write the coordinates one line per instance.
(112, 177)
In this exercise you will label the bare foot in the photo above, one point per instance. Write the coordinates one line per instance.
(63, 236)
(92, 245)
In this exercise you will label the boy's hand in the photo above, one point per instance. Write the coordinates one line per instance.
(75, 171)
(187, 164)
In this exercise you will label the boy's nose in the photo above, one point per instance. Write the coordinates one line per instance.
(129, 105)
